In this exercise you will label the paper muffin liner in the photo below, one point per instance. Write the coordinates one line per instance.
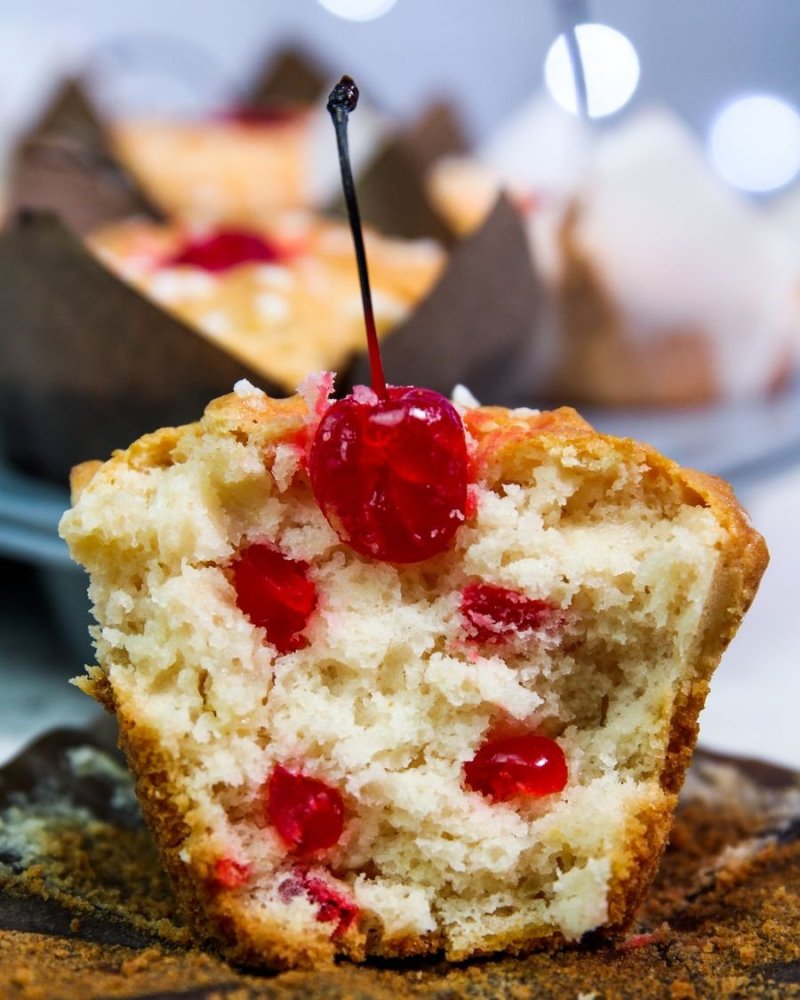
(293, 76)
(65, 164)
(392, 188)
(478, 326)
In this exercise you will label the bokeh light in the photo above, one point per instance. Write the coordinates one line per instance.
(610, 66)
(358, 10)
(755, 142)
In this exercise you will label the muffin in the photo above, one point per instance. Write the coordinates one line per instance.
(673, 289)
(340, 755)
(667, 288)
(282, 298)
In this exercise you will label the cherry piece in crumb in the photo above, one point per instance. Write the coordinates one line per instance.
(390, 474)
(513, 766)
(276, 594)
(333, 905)
(226, 248)
(307, 813)
(231, 874)
(494, 615)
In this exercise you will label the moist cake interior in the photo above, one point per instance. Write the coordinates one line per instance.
(391, 696)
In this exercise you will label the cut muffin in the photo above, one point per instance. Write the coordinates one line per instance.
(376, 697)
(283, 298)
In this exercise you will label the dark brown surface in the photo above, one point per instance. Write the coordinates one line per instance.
(721, 920)
(65, 164)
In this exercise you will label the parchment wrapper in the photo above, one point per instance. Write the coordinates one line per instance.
(65, 164)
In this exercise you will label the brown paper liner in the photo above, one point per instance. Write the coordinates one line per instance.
(89, 364)
(292, 76)
(393, 190)
(65, 164)
(478, 326)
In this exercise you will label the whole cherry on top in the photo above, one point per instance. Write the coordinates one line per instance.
(388, 464)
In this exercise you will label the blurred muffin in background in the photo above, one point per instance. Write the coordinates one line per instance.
(667, 287)
(283, 297)
(244, 164)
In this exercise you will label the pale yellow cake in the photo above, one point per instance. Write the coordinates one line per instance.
(649, 567)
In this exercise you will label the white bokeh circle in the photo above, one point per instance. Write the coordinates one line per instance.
(754, 142)
(358, 10)
(610, 66)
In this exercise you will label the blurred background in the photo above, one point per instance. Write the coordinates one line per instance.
(726, 73)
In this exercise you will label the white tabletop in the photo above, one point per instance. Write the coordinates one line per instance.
(754, 705)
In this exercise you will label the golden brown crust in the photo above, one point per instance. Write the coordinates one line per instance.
(80, 477)
(507, 446)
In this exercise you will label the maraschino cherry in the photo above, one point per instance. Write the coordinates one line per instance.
(497, 615)
(332, 906)
(515, 766)
(276, 593)
(307, 813)
(388, 465)
(231, 874)
(223, 249)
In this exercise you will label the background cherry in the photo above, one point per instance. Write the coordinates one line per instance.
(223, 249)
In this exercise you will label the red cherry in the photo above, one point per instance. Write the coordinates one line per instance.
(307, 813)
(274, 113)
(391, 474)
(388, 467)
(517, 765)
(333, 905)
(276, 594)
(495, 615)
(226, 248)
(231, 874)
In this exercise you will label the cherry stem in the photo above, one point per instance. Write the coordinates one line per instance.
(342, 100)
(572, 13)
